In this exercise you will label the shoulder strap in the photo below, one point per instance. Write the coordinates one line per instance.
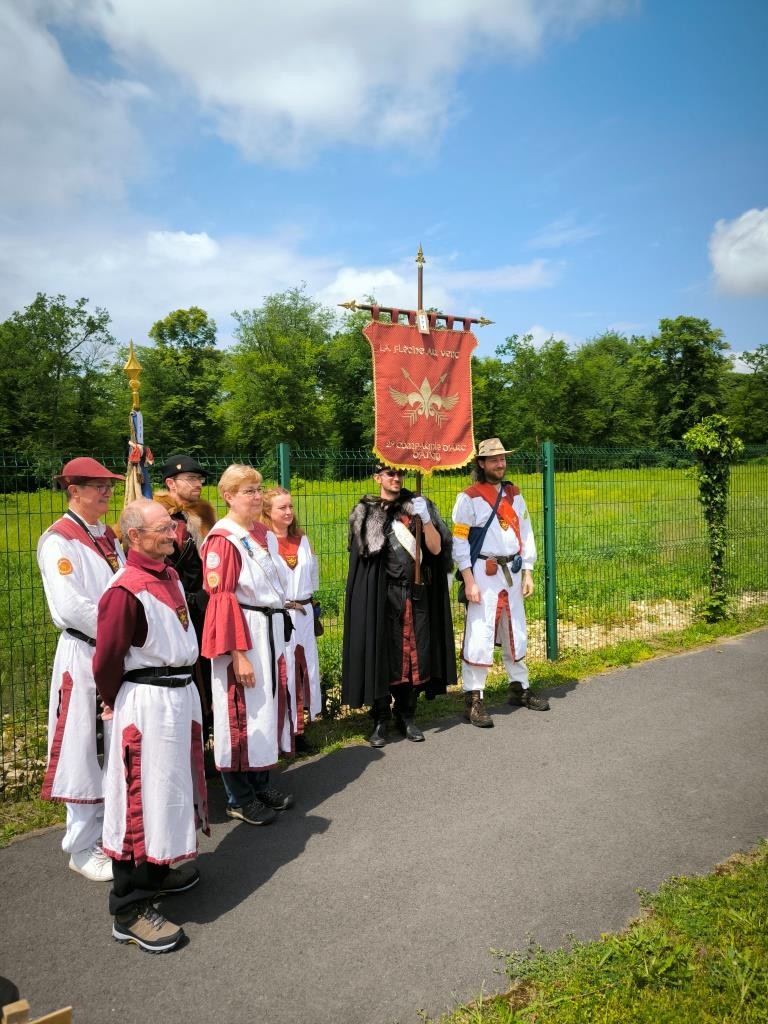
(476, 539)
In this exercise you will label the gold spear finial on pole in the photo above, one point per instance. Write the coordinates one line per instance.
(132, 370)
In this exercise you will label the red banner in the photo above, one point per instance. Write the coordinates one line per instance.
(423, 396)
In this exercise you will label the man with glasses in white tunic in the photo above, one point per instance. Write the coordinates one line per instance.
(78, 556)
(154, 793)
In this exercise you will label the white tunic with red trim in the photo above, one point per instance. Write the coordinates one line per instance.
(297, 565)
(155, 793)
(501, 606)
(76, 571)
(251, 725)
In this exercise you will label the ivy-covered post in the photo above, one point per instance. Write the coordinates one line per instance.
(715, 447)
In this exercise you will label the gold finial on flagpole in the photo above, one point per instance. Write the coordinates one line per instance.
(132, 370)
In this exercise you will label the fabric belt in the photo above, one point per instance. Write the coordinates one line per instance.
(173, 677)
(81, 636)
(287, 631)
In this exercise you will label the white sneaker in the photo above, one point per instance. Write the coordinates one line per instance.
(92, 864)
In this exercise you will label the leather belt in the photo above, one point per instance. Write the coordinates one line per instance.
(299, 605)
(81, 636)
(507, 563)
(173, 677)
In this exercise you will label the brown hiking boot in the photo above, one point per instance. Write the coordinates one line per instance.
(525, 698)
(475, 712)
(144, 926)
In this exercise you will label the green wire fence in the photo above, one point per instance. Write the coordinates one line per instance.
(622, 555)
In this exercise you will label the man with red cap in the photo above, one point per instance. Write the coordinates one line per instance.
(78, 556)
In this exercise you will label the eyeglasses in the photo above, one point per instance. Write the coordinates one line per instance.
(191, 478)
(101, 488)
(250, 492)
(393, 472)
(168, 529)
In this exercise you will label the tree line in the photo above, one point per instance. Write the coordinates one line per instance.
(298, 372)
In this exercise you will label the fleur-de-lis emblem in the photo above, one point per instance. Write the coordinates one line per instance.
(424, 401)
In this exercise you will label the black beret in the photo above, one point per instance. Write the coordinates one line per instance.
(181, 464)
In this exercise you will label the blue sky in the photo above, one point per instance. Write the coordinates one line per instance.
(568, 167)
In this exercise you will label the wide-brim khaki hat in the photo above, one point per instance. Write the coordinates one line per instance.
(492, 446)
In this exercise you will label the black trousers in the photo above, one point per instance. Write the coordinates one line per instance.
(403, 697)
(132, 884)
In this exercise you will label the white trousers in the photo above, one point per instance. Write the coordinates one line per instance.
(473, 676)
(83, 828)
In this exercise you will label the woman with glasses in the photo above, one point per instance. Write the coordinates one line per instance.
(298, 568)
(78, 556)
(245, 636)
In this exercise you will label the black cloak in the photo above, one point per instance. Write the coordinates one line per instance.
(367, 658)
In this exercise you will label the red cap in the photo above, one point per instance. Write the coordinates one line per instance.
(86, 469)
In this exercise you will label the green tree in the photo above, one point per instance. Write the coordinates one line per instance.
(610, 403)
(273, 383)
(53, 358)
(492, 410)
(747, 398)
(538, 391)
(683, 369)
(346, 378)
(181, 389)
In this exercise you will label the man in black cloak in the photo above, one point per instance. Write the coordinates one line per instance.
(398, 635)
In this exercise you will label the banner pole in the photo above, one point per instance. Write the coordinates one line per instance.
(419, 306)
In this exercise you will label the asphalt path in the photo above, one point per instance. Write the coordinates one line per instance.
(398, 871)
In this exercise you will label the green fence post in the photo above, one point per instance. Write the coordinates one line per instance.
(550, 576)
(284, 465)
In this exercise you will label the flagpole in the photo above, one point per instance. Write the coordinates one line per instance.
(133, 476)
(420, 261)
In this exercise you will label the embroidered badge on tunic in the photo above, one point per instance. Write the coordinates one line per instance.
(212, 560)
(183, 615)
(64, 566)
(291, 561)
(213, 579)
(114, 564)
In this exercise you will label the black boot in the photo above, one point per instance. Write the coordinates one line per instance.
(409, 729)
(379, 736)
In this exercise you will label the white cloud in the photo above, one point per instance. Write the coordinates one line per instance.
(564, 231)
(541, 334)
(141, 275)
(444, 289)
(180, 247)
(279, 80)
(738, 251)
(63, 137)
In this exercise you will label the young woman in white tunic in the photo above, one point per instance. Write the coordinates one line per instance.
(245, 638)
(298, 569)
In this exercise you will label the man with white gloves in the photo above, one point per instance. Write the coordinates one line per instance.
(398, 634)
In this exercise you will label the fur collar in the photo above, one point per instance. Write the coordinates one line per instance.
(370, 520)
(200, 515)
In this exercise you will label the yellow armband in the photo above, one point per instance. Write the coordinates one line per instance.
(461, 531)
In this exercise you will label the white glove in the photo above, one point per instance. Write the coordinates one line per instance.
(420, 509)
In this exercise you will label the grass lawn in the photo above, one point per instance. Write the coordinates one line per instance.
(697, 954)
